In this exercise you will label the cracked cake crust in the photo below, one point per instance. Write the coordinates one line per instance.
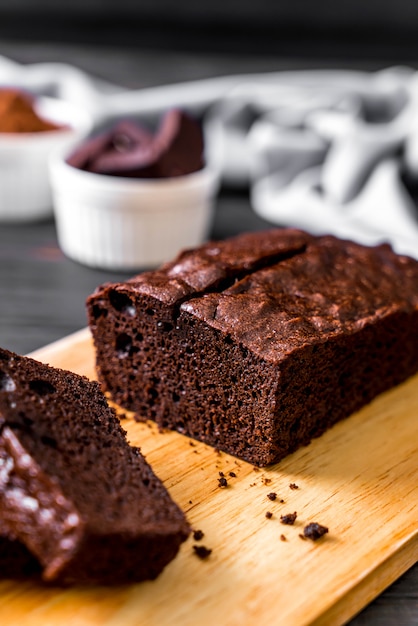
(261, 342)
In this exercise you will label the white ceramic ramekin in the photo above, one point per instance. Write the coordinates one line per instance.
(25, 192)
(119, 223)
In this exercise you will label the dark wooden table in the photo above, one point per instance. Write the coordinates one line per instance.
(42, 293)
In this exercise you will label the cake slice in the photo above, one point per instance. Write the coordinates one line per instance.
(259, 343)
(72, 490)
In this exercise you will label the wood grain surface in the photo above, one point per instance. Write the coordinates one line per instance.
(360, 479)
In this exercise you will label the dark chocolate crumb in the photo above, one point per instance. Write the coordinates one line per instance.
(221, 474)
(195, 451)
(272, 495)
(256, 469)
(289, 518)
(293, 486)
(198, 535)
(266, 481)
(191, 443)
(281, 501)
(283, 538)
(302, 536)
(218, 452)
(314, 531)
(269, 514)
(190, 502)
(232, 474)
(202, 552)
(222, 482)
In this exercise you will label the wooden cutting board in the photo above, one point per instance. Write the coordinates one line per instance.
(360, 479)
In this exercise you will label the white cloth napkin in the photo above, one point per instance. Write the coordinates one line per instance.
(324, 150)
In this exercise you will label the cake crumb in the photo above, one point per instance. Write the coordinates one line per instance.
(266, 481)
(283, 538)
(202, 552)
(289, 518)
(269, 514)
(222, 482)
(281, 501)
(256, 469)
(272, 495)
(192, 443)
(221, 474)
(293, 486)
(198, 535)
(232, 474)
(314, 531)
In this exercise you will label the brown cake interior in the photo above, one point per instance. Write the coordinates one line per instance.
(72, 489)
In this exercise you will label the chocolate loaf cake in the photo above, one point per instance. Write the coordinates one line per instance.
(72, 490)
(257, 344)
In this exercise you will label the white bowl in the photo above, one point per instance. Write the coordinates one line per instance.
(119, 223)
(25, 192)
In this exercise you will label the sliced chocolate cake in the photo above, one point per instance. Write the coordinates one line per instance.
(259, 343)
(72, 490)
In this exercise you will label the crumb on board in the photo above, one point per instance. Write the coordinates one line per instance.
(272, 495)
(283, 538)
(314, 531)
(202, 552)
(288, 519)
(222, 482)
(269, 514)
(198, 535)
(232, 474)
(293, 486)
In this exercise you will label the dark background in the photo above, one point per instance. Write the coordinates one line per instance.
(355, 29)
